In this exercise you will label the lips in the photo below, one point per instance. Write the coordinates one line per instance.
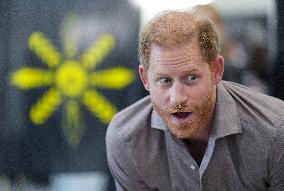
(181, 115)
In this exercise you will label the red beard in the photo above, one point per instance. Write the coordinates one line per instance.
(187, 120)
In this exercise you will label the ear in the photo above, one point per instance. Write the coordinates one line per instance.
(144, 77)
(218, 69)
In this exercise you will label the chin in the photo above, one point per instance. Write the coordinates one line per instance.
(187, 132)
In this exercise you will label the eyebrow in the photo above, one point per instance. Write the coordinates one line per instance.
(184, 72)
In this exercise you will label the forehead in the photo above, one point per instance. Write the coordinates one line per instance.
(181, 56)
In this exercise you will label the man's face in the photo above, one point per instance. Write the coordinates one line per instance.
(182, 87)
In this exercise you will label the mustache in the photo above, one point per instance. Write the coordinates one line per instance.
(179, 108)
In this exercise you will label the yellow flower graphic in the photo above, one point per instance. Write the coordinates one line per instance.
(71, 82)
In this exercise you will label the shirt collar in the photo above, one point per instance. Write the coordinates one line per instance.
(226, 118)
(157, 122)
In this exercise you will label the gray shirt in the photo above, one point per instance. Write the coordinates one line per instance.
(245, 149)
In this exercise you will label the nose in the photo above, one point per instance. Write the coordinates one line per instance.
(178, 94)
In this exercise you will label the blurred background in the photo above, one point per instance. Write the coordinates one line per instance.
(66, 67)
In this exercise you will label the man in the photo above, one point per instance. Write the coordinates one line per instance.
(194, 131)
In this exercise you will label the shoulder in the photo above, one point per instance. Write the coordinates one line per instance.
(256, 109)
(129, 121)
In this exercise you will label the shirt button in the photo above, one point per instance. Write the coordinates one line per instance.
(192, 167)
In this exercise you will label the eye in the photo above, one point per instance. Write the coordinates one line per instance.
(165, 80)
(192, 77)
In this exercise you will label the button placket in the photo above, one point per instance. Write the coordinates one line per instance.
(192, 167)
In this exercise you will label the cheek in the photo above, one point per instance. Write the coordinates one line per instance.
(159, 97)
(199, 94)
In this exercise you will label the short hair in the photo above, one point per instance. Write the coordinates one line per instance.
(174, 28)
(211, 12)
